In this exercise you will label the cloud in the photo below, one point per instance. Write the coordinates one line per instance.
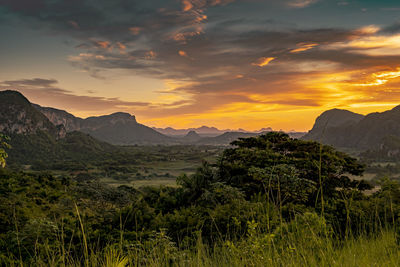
(102, 44)
(381, 78)
(135, 30)
(46, 91)
(36, 82)
(392, 29)
(303, 47)
(263, 61)
(373, 45)
(74, 24)
(186, 5)
(121, 47)
(184, 54)
(301, 3)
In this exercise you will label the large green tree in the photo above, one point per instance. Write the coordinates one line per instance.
(288, 169)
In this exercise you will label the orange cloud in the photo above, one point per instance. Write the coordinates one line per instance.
(381, 78)
(103, 44)
(301, 3)
(135, 30)
(186, 5)
(303, 47)
(150, 54)
(182, 53)
(86, 56)
(370, 29)
(370, 44)
(121, 47)
(183, 36)
(263, 61)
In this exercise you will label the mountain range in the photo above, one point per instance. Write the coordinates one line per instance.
(123, 129)
(379, 132)
(204, 131)
(19, 116)
(34, 138)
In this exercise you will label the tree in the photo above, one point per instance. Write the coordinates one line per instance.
(3, 146)
(300, 170)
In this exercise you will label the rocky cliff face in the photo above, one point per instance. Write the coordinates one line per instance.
(18, 116)
(61, 117)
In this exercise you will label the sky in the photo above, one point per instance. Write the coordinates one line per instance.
(186, 63)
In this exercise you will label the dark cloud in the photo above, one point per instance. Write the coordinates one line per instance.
(31, 82)
(391, 29)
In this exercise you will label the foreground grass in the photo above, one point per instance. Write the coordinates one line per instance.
(256, 250)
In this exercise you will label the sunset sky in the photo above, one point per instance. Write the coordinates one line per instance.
(186, 63)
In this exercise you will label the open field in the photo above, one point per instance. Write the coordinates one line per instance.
(140, 183)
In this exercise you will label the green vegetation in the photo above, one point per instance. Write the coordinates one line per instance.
(3, 146)
(82, 157)
(266, 201)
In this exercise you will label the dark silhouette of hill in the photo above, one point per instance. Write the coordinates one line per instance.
(331, 119)
(345, 129)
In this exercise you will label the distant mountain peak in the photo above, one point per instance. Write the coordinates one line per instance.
(192, 136)
(192, 133)
(121, 115)
(14, 96)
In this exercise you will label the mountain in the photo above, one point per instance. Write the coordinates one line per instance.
(345, 129)
(204, 131)
(18, 116)
(191, 137)
(61, 117)
(34, 138)
(201, 131)
(123, 129)
(332, 119)
(296, 135)
(118, 128)
(225, 138)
